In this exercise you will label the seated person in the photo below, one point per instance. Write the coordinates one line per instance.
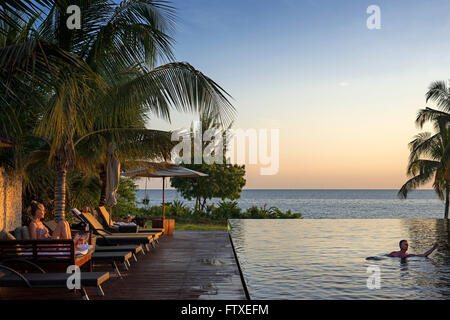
(124, 221)
(404, 248)
(86, 209)
(39, 231)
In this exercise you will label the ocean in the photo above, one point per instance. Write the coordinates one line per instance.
(330, 204)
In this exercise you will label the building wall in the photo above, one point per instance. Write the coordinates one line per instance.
(10, 200)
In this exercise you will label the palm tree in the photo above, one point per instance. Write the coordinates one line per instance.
(129, 146)
(429, 158)
(71, 67)
(438, 92)
(31, 70)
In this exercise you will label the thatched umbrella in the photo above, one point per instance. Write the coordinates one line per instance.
(168, 171)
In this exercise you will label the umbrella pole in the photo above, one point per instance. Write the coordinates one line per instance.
(163, 199)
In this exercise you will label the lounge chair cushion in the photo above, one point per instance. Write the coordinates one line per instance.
(5, 235)
(25, 233)
(123, 227)
(22, 233)
(109, 256)
(135, 248)
(18, 233)
(128, 228)
(53, 280)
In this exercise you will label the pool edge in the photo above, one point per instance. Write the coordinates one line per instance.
(244, 283)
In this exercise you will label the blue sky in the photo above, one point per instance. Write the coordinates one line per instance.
(344, 97)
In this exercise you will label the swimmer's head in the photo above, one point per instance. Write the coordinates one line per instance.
(403, 244)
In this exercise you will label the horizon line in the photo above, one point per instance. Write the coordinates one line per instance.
(312, 189)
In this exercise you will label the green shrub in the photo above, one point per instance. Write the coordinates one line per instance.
(178, 209)
(227, 210)
(126, 204)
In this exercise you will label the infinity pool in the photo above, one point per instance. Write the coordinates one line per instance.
(327, 259)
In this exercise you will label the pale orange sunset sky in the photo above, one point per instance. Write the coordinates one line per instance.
(344, 97)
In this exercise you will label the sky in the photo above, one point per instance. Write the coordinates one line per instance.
(343, 97)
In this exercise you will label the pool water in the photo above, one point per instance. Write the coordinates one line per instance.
(327, 258)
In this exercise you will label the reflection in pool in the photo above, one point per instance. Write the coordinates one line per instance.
(326, 259)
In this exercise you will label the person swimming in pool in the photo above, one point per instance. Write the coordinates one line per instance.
(403, 244)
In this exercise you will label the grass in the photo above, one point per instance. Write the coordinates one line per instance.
(199, 226)
(193, 224)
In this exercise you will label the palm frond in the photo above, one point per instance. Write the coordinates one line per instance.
(440, 94)
(412, 184)
(147, 23)
(429, 114)
(176, 85)
(14, 11)
(423, 167)
(424, 144)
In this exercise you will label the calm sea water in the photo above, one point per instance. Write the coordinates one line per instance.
(326, 259)
(331, 204)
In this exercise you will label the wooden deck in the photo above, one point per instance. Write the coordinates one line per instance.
(188, 265)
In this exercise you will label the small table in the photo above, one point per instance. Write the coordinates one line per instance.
(167, 224)
(85, 259)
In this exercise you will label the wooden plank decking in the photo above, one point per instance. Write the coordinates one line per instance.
(187, 265)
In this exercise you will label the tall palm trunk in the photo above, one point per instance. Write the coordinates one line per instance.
(447, 200)
(102, 201)
(60, 194)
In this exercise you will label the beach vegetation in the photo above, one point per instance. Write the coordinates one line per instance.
(74, 97)
(224, 180)
(178, 210)
(429, 159)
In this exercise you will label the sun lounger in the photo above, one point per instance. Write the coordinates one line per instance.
(50, 254)
(59, 254)
(156, 233)
(135, 249)
(113, 258)
(109, 224)
(10, 277)
(107, 238)
(96, 225)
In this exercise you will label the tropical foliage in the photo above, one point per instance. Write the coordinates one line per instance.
(224, 180)
(429, 158)
(222, 212)
(73, 98)
(127, 202)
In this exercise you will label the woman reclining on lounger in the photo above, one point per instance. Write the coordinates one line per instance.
(39, 231)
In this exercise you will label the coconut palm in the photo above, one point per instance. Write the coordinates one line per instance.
(429, 158)
(68, 66)
(439, 93)
(129, 146)
(32, 71)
